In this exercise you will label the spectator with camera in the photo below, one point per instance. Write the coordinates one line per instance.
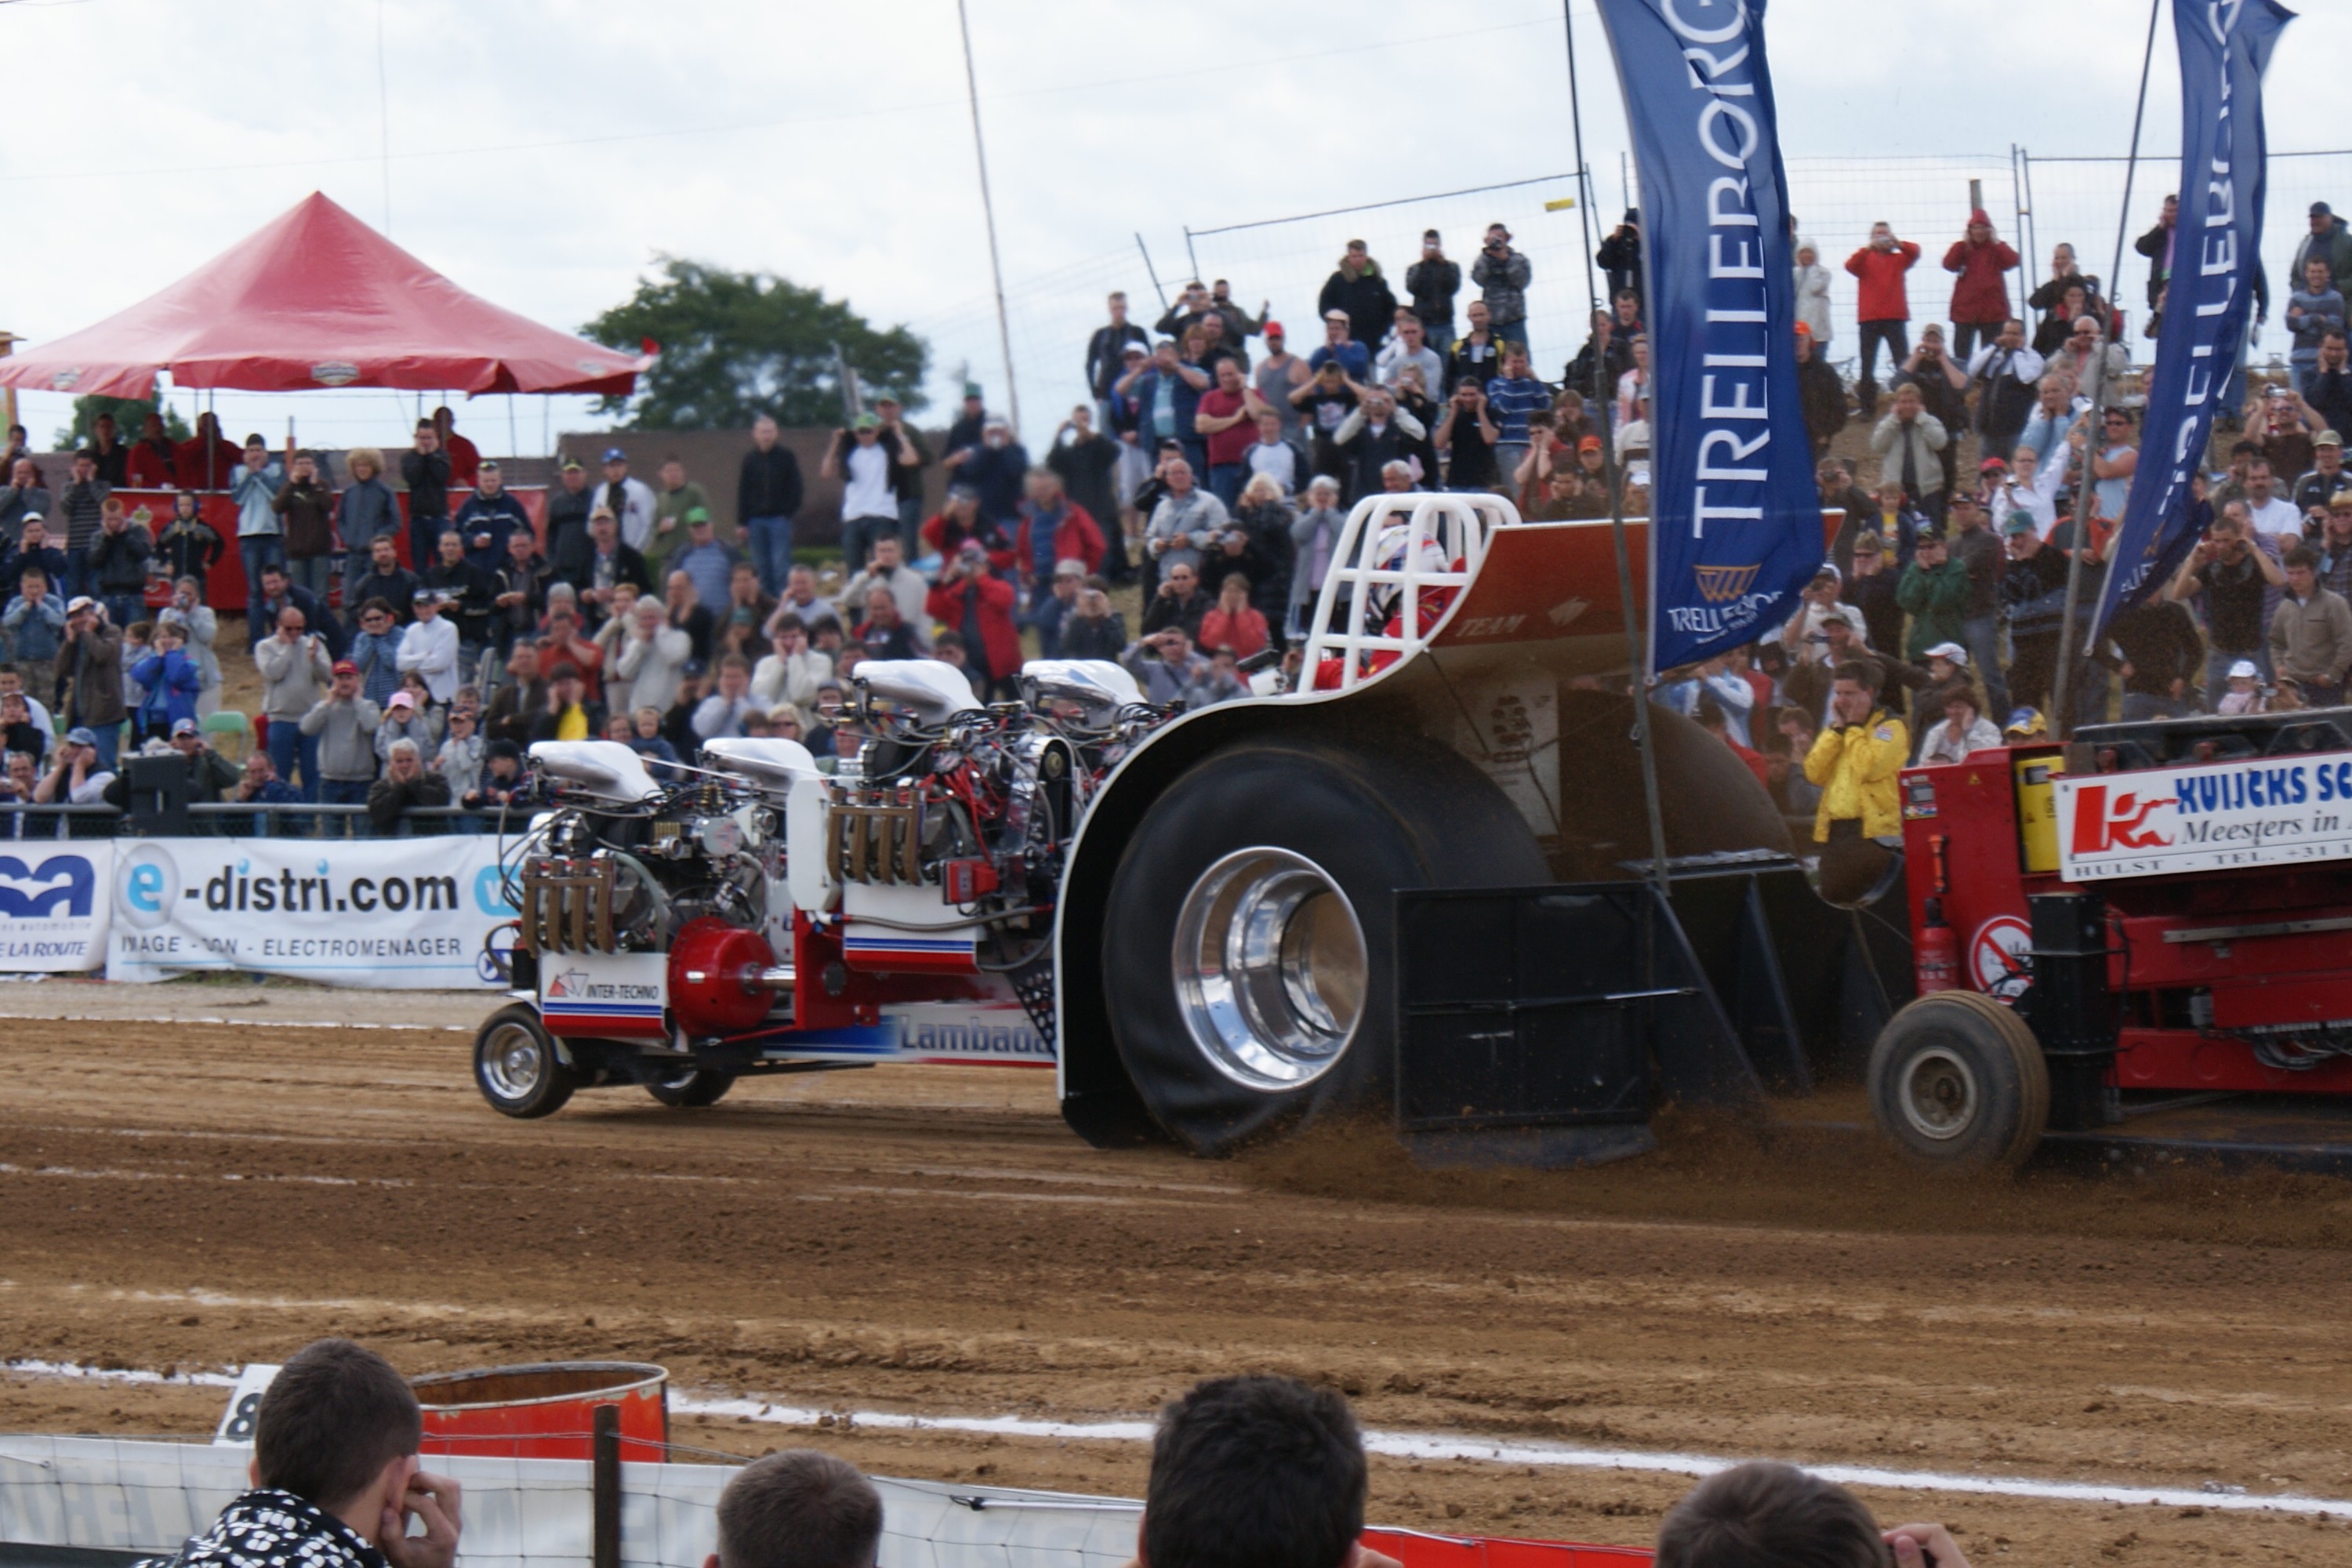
(977, 603)
(1502, 275)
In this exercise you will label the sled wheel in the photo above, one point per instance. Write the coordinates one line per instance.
(690, 1088)
(516, 1066)
(1247, 949)
(1958, 1081)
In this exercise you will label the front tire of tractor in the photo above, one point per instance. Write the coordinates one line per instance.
(517, 1067)
(1248, 945)
(1958, 1081)
(692, 1088)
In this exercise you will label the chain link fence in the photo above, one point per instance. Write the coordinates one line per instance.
(2034, 200)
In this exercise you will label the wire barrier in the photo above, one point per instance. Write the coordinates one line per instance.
(2035, 201)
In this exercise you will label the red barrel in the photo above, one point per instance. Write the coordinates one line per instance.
(545, 1411)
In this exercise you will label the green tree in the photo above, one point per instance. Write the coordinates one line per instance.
(130, 415)
(737, 345)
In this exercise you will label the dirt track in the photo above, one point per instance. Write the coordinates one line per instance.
(934, 1240)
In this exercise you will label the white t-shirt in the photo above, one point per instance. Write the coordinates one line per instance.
(1280, 460)
(2277, 515)
(866, 491)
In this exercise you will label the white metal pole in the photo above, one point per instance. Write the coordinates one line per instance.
(988, 208)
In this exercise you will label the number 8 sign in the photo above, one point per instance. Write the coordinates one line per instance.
(243, 1403)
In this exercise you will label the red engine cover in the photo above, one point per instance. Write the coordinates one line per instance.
(713, 977)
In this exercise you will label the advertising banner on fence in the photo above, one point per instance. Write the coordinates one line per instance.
(392, 914)
(54, 905)
(2259, 812)
(1738, 528)
(2216, 252)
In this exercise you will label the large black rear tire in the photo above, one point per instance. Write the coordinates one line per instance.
(692, 1088)
(1248, 943)
(517, 1066)
(1958, 1081)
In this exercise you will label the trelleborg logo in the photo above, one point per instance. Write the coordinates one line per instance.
(1721, 584)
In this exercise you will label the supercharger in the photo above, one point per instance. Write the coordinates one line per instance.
(758, 914)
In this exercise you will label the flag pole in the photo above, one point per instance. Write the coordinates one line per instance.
(1636, 656)
(2062, 704)
(988, 209)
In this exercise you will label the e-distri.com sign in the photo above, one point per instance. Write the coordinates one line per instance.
(391, 914)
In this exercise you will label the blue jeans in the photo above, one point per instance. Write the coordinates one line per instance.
(1225, 482)
(768, 541)
(1510, 331)
(316, 572)
(109, 742)
(857, 537)
(123, 609)
(1897, 335)
(258, 550)
(289, 748)
(425, 540)
(344, 792)
(910, 525)
(1980, 634)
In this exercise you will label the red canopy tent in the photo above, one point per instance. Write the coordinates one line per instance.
(317, 299)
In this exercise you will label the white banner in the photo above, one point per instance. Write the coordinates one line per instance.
(391, 914)
(2257, 812)
(53, 904)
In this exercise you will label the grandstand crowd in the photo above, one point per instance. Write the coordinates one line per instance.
(413, 629)
(1250, 1471)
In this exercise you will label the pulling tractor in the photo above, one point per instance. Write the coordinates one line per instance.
(1195, 920)
(1420, 891)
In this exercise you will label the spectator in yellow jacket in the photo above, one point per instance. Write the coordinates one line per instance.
(1854, 761)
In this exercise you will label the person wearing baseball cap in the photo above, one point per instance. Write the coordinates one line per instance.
(860, 459)
(1278, 376)
(632, 500)
(209, 773)
(2327, 476)
(77, 774)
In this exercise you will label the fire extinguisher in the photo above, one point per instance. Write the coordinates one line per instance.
(1936, 953)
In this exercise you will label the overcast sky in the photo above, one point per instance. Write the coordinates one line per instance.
(544, 152)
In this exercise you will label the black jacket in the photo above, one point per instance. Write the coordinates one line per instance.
(1432, 285)
(471, 589)
(1166, 610)
(1821, 395)
(1105, 359)
(1370, 307)
(426, 475)
(567, 526)
(2160, 641)
(1620, 258)
(769, 485)
(121, 559)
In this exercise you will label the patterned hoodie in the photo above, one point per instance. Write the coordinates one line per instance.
(270, 1529)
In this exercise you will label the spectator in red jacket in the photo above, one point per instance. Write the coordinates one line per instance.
(1980, 295)
(206, 460)
(465, 458)
(149, 467)
(977, 604)
(1232, 624)
(1881, 308)
(1070, 531)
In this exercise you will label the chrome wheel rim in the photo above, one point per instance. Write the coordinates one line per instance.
(1939, 1095)
(514, 1061)
(1270, 969)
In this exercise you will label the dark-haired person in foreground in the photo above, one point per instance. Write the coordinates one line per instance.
(1256, 1472)
(1767, 1515)
(335, 1476)
(799, 1509)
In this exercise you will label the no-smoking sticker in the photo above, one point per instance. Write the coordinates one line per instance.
(2000, 958)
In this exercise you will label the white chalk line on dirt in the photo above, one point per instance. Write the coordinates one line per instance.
(248, 1022)
(1389, 1445)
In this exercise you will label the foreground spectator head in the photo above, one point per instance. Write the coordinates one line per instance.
(799, 1509)
(1254, 1472)
(1765, 1515)
(1323, 491)
(337, 1425)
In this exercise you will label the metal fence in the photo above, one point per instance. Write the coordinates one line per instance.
(233, 819)
(2035, 201)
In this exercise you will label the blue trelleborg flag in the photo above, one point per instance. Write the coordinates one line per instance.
(2225, 45)
(1736, 520)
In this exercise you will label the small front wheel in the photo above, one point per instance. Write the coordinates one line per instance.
(1958, 1081)
(517, 1068)
(690, 1088)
